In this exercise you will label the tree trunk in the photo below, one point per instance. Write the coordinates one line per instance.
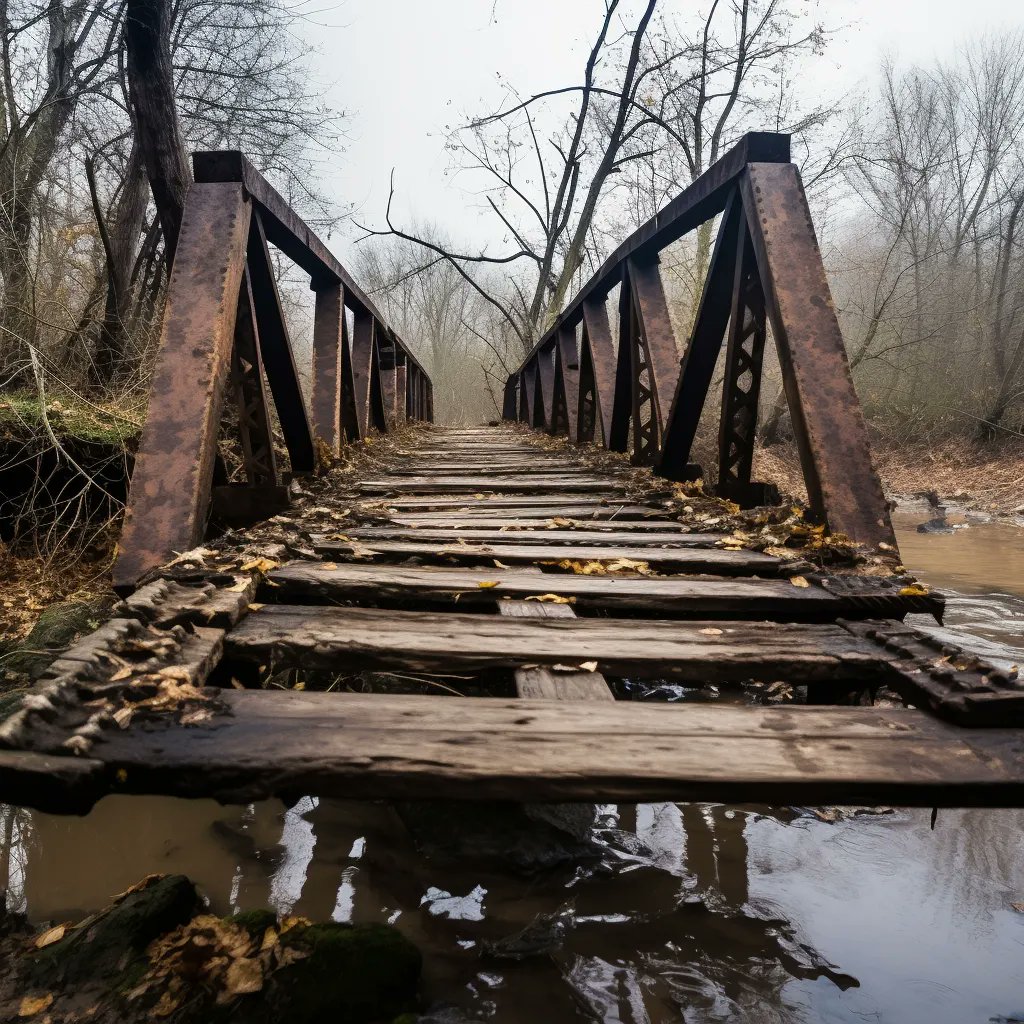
(147, 36)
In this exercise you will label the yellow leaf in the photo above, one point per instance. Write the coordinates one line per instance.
(299, 686)
(798, 581)
(487, 584)
(31, 1005)
(122, 775)
(711, 631)
(552, 598)
(51, 935)
(255, 606)
(244, 975)
(588, 666)
(914, 590)
(260, 565)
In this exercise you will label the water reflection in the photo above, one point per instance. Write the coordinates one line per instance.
(710, 914)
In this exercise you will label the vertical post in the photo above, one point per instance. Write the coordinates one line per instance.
(509, 404)
(328, 324)
(546, 379)
(597, 339)
(362, 366)
(170, 491)
(569, 365)
(400, 390)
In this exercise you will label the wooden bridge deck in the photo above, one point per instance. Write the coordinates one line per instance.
(487, 561)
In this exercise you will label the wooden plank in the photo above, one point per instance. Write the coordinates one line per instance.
(681, 560)
(546, 506)
(544, 683)
(359, 746)
(466, 484)
(557, 470)
(615, 535)
(702, 596)
(699, 652)
(582, 523)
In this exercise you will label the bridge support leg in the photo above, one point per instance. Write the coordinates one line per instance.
(170, 490)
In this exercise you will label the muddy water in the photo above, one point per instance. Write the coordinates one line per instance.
(689, 913)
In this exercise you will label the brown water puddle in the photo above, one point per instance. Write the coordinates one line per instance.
(693, 913)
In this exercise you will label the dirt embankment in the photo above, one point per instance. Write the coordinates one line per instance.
(987, 477)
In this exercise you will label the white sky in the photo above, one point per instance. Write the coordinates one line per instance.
(405, 69)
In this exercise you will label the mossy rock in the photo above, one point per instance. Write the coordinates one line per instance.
(104, 945)
(352, 974)
(55, 629)
(255, 922)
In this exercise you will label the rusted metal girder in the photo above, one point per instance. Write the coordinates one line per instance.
(567, 383)
(832, 437)
(328, 325)
(597, 338)
(254, 427)
(546, 377)
(277, 353)
(741, 387)
(170, 490)
(697, 366)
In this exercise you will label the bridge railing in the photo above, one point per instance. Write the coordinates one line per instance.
(642, 396)
(223, 334)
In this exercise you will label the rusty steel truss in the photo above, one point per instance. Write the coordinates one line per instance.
(225, 339)
(640, 395)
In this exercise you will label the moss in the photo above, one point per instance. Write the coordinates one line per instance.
(68, 417)
(255, 922)
(102, 946)
(352, 974)
(54, 630)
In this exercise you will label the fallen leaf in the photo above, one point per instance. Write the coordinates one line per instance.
(799, 581)
(552, 598)
(328, 566)
(260, 565)
(588, 666)
(255, 606)
(244, 975)
(488, 584)
(711, 631)
(31, 1005)
(501, 565)
(914, 590)
(51, 935)
(1019, 907)
(123, 716)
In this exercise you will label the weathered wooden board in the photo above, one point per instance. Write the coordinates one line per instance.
(545, 683)
(698, 652)
(617, 536)
(701, 596)
(718, 561)
(611, 506)
(539, 483)
(357, 746)
(446, 520)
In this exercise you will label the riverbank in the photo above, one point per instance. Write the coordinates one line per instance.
(979, 477)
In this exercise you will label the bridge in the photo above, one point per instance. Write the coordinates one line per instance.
(471, 613)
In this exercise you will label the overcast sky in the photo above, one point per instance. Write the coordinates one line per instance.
(406, 69)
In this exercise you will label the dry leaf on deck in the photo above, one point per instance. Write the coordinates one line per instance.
(712, 631)
(799, 581)
(914, 590)
(488, 584)
(31, 1005)
(260, 564)
(552, 598)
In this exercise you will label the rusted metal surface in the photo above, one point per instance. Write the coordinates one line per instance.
(598, 340)
(170, 490)
(328, 323)
(698, 363)
(742, 385)
(832, 436)
(546, 376)
(254, 427)
(568, 386)
(363, 367)
(277, 353)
